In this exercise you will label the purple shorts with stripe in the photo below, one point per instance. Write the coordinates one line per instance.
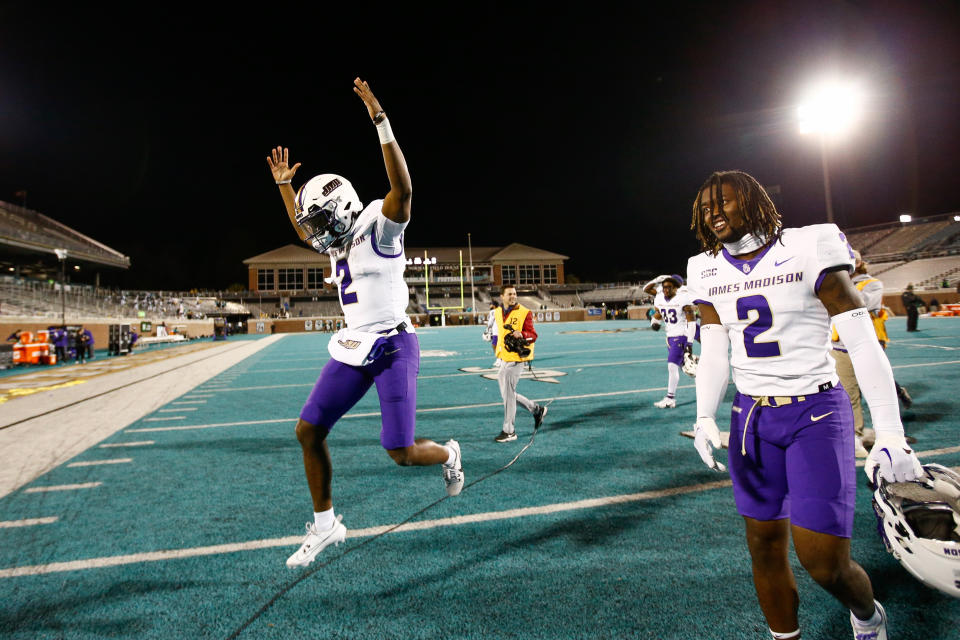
(799, 462)
(675, 346)
(340, 386)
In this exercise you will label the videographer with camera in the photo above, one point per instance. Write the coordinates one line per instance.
(514, 347)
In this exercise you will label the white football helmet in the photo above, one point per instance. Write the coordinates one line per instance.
(920, 525)
(326, 208)
(690, 364)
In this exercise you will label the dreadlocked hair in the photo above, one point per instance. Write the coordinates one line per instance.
(757, 208)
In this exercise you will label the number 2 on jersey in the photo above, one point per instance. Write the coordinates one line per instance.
(346, 281)
(755, 329)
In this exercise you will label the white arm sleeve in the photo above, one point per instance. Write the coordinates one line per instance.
(691, 332)
(714, 369)
(873, 371)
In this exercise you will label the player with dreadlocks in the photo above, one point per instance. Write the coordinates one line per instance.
(767, 296)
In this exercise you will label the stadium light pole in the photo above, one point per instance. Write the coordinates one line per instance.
(62, 256)
(829, 110)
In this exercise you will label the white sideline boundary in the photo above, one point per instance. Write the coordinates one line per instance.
(37, 440)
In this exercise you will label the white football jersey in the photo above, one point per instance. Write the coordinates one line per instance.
(671, 311)
(779, 330)
(369, 274)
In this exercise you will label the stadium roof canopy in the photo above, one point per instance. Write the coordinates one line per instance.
(289, 254)
(295, 254)
(24, 232)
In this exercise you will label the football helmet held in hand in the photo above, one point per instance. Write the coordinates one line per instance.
(326, 207)
(919, 523)
(690, 361)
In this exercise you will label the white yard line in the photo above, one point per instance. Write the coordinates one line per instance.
(926, 364)
(128, 444)
(94, 463)
(164, 419)
(27, 522)
(290, 541)
(63, 487)
(377, 413)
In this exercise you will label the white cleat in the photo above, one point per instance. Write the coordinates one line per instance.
(453, 473)
(666, 403)
(870, 632)
(317, 541)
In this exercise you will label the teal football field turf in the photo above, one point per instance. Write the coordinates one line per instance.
(608, 526)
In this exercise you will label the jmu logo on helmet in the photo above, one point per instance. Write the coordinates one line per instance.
(330, 186)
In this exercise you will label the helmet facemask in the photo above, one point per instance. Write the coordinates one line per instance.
(326, 208)
(324, 228)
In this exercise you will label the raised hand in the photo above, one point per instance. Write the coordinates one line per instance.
(362, 89)
(279, 161)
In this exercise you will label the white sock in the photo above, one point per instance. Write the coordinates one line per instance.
(323, 520)
(874, 619)
(785, 636)
(673, 379)
(451, 456)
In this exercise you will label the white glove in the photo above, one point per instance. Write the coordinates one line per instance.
(690, 364)
(893, 459)
(706, 438)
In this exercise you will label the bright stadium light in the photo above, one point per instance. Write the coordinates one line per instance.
(905, 217)
(956, 218)
(829, 109)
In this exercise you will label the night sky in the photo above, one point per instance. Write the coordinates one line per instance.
(584, 129)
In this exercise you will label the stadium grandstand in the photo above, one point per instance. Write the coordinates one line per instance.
(455, 284)
(924, 252)
(49, 270)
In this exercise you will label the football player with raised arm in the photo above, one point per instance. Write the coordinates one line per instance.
(365, 245)
(674, 308)
(767, 296)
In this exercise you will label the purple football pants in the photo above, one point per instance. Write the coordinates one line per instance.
(799, 461)
(340, 386)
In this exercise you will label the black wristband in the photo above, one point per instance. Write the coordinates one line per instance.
(379, 117)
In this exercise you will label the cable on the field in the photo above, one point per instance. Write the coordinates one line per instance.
(309, 572)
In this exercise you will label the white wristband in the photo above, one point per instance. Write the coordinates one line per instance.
(284, 182)
(385, 132)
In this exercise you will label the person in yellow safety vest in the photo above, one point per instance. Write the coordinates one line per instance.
(514, 347)
(871, 289)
